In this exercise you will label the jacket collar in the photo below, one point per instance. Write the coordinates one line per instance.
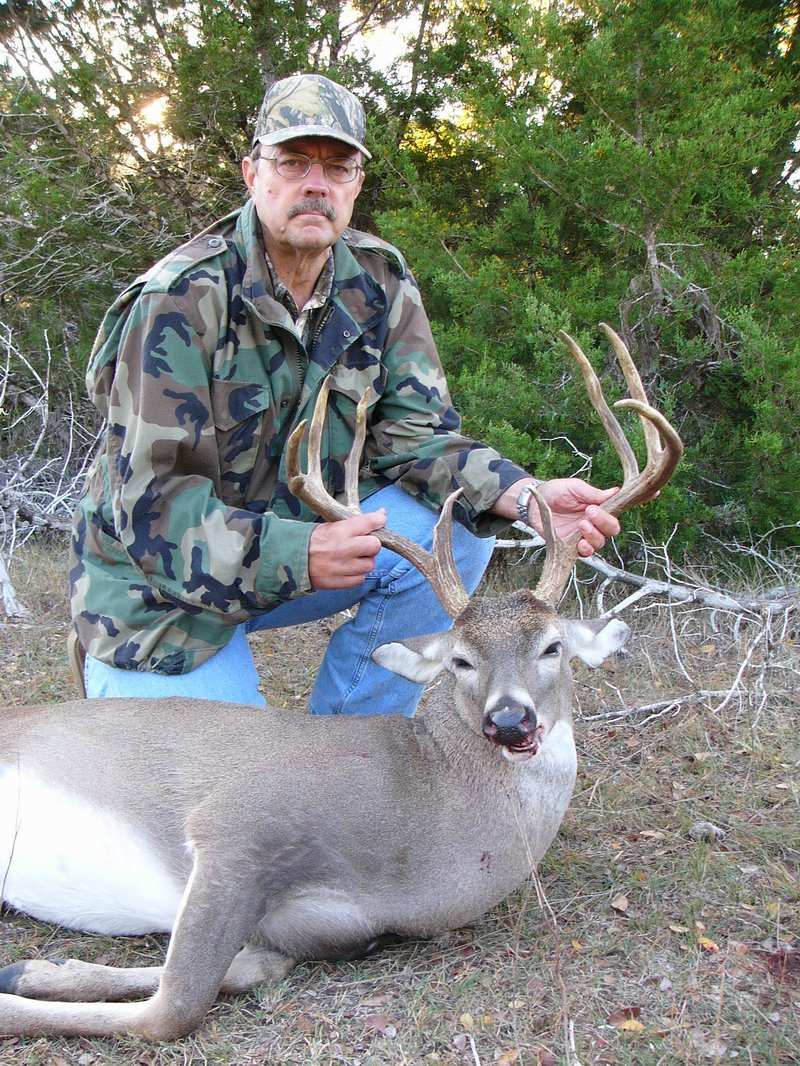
(357, 300)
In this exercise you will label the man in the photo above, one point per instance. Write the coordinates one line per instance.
(187, 536)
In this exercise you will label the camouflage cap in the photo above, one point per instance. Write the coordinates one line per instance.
(308, 105)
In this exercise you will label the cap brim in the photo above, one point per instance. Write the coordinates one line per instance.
(293, 133)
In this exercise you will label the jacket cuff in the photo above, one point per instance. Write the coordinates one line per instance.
(474, 507)
(283, 573)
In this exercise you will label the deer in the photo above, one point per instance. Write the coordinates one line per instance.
(260, 838)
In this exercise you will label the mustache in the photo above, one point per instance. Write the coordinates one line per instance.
(313, 203)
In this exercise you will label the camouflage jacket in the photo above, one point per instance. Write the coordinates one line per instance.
(187, 526)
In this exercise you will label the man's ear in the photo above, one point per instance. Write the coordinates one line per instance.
(418, 659)
(593, 640)
(249, 171)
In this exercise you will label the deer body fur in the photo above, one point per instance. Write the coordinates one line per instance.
(302, 837)
(299, 837)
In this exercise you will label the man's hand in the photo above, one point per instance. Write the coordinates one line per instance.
(341, 554)
(575, 505)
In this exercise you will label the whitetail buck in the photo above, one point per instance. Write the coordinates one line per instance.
(301, 837)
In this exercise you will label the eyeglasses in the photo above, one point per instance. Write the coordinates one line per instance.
(294, 167)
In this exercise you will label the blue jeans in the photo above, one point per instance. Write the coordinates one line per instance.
(394, 601)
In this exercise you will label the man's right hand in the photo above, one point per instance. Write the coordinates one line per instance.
(341, 554)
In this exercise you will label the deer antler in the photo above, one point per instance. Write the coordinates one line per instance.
(437, 566)
(664, 449)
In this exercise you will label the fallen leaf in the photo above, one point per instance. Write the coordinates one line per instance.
(379, 1023)
(706, 944)
(623, 1014)
(783, 964)
(701, 756)
(304, 1023)
(631, 1026)
(507, 1058)
(576, 945)
(466, 1021)
(653, 834)
(621, 904)
(375, 1001)
(679, 928)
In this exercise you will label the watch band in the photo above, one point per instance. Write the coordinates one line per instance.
(523, 500)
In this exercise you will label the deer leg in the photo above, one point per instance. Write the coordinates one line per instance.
(255, 966)
(73, 981)
(219, 911)
(78, 982)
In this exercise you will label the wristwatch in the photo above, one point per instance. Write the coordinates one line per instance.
(523, 500)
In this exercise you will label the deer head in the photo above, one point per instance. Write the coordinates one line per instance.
(509, 656)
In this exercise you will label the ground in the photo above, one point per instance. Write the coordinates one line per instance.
(644, 945)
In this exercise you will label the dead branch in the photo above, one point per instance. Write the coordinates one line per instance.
(11, 605)
(775, 600)
(46, 453)
(655, 710)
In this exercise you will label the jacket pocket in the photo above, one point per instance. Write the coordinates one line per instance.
(244, 420)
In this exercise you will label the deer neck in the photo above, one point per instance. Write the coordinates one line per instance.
(444, 734)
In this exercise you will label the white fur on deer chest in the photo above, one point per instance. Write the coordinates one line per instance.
(63, 861)
(545, 784)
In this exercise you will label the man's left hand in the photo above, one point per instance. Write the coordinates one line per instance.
(575, 505)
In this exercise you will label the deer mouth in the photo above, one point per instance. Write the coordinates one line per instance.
(524, 748)
(515, 731)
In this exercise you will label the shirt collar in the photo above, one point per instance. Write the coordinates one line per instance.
(318, 298)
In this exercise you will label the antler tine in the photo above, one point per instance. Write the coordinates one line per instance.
(634, 383)
(664, 449)
(438, 567)
(353, 461)
(630, 467)
(447, 575)
(559, 559)
(661, 460)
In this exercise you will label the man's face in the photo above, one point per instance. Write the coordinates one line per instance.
(307, 214)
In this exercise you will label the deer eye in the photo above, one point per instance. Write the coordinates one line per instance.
(552, 649)
(461, 664)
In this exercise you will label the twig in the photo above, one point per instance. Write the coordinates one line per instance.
(661, 706)
(547, 910)
(11, 605)
(776, 601)
(739, 673)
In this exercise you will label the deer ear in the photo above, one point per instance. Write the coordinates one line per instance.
(418, 659)
(593, 640)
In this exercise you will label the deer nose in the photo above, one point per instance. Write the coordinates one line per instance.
(509, 721)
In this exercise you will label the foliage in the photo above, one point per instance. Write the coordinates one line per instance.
(542, 168)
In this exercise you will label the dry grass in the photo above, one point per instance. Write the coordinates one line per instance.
(669, 950)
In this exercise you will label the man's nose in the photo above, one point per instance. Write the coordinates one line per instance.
(316, 181)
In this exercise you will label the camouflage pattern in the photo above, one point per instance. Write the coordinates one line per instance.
(308, 105)
(187, 526)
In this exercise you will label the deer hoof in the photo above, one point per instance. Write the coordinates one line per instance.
(10, 977)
